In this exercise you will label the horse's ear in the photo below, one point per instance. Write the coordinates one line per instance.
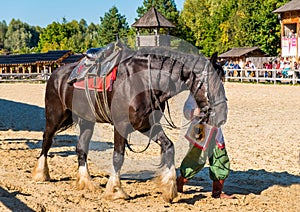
(214, 58)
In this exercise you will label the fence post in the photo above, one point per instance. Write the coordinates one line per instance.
(294, 77)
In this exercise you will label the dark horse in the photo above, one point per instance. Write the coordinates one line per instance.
(145, 81)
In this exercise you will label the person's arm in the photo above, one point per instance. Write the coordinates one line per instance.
(190, 108)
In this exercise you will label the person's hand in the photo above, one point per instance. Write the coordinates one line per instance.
(197, 112)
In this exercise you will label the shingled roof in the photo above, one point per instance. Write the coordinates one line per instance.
(153, 19)
(27, 59)
(73, 58)
(290, 6)
(242, 51)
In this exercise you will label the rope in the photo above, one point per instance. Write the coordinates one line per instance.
(90, 99)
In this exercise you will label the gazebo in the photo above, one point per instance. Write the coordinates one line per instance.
(152, 20)
(289, 16)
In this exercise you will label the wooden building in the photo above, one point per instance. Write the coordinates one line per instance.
(153, 21)
(243, 54)
(289, 16)
(36, 62)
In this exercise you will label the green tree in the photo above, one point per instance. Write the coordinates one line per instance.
(74, 35)
(20, 37)
(218, 25)
(3, 30)
(113, 24)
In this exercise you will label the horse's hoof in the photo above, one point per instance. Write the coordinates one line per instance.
(40, 175)
(169, 196)
(118, 193)
(85, 184)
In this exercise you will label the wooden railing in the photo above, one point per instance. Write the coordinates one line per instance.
(21, 77)
(257, 75)
(262, 76)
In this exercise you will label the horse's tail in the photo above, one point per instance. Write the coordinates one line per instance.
(69, 122)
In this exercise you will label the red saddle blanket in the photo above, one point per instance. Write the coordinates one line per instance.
(95, 82)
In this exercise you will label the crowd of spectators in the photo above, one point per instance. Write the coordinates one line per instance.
(285, 68)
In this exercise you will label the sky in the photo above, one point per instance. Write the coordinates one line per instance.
(44, 12)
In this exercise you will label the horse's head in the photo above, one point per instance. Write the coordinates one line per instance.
(208, 90)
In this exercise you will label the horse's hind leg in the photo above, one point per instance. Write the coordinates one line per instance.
(83, 177)
(40, 172)
(113, 187)
(55, 119)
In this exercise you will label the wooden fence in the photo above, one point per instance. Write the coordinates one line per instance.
(258, 76)
(262, 76)
(20, 77)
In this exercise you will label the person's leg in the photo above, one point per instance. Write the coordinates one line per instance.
(192, 163)
(219, 171)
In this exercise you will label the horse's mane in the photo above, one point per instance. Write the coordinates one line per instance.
(177, 55)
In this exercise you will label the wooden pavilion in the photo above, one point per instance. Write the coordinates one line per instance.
(36, 62)
(153, 21)
(289, 16)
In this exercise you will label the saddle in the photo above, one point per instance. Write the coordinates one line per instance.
(97, 64)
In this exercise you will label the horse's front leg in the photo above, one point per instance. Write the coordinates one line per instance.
(167, 176)
(84, 180)
(114, 189)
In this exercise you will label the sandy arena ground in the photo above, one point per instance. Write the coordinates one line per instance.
(262, 137)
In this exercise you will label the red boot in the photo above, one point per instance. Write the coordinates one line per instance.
(180, 182)
(217, 190)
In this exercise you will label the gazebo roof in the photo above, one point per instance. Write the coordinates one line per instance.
(290, 6)
(241, 51)
(153, 19)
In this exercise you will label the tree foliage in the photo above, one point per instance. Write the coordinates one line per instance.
(218, 25)
(74, 35)
(3, 30)
(113, 24)
(211, 25)
(20, 37)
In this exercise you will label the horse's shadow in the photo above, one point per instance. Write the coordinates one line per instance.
(246, 182)
(12, 203)
(69, 141)
(21, 116)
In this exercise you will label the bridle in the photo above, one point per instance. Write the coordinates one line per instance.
(208, 110)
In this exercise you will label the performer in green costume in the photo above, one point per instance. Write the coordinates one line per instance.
(211, 146)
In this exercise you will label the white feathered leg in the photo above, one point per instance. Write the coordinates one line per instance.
(114, 189)
(40, 172)
(84, 180)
